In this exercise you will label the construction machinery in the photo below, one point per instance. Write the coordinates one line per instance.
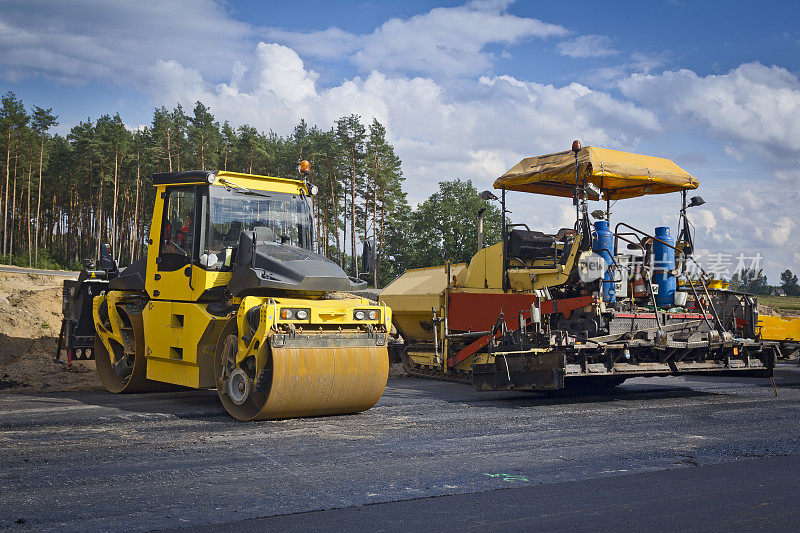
(230, 295)
(785, 330)
(586, 306)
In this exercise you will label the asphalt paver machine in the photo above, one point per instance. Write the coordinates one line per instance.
(587, 306)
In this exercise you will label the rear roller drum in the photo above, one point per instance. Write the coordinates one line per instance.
(124, 369)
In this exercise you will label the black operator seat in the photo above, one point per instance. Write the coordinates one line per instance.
(565, 238)
(524, 244)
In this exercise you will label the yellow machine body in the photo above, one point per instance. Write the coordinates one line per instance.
(420, 291)
(779, 328)
(327, 362)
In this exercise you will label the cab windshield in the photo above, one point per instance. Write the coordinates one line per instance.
(277, 218)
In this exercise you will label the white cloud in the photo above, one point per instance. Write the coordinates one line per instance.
(789, 175)
(703, 218)
(726, 214)
(587, 46)
(731, 150)
(85, 40)
(333, 43)
(477, 130)
(447, 41)
(753, 105)
(779, 233)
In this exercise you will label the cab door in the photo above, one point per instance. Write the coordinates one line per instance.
(170, 276)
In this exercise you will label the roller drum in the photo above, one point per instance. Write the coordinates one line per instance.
(309, 378)
(120, 376)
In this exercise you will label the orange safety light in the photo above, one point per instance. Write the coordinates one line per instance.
(305, 167)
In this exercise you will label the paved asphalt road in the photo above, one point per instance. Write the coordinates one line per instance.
(661, 453)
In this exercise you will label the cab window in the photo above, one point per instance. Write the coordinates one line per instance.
(280, 219)
(177, 230)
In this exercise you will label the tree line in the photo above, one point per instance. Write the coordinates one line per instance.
(748, 280)
(64, 195)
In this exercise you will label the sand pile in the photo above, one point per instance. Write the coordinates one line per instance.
(30, 318)
(767, 310)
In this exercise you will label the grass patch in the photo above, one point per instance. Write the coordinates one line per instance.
(46, 261)
(781, 302)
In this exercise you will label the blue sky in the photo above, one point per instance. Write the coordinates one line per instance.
(465, 89)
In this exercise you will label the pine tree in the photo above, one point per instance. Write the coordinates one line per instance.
(789, 283)
(114, 138)
(203, 137)
(352, 135)
(13, 119)
(42, 120)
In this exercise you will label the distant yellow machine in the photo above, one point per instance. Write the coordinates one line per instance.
(783, 329)
(231, 296)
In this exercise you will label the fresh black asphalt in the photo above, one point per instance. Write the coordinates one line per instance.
(660, 453)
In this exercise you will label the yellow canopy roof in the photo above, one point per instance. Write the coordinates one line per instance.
(617, 174)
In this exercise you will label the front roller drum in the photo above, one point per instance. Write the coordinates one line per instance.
(308, 376)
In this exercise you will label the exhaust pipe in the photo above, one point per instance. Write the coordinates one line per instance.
(480, 228)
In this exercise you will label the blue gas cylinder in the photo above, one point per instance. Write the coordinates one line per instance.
(663, 265)
(603, 245)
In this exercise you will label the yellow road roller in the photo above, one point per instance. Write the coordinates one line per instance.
(231, 295)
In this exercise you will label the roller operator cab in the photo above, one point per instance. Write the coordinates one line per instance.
(231, 295)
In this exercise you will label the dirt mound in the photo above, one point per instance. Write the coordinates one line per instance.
(30, 318)
(32, 368)
(30, 306)
(768, 310)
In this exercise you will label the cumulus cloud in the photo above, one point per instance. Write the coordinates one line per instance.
(587, 46)
(731, 150)
(448, 41)
(753, 105)
(437, 135)
(726, 214)
(703, 218)
(779, 233)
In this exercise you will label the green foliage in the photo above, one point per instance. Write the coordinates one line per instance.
(446, 224)
(96, 187)
(750, 281)
(789, 283)
(46, 261)
(781, 302)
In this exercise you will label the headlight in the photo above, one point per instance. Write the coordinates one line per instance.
(301, 314)
(366, 314)
(286, 314)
